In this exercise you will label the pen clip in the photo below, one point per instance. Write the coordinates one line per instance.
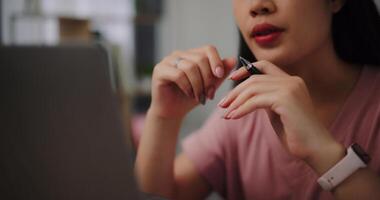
(249, 66)
(245, 62)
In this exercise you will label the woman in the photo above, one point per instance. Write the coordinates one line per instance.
(275, 134)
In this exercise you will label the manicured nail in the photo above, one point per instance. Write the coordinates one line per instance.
(226, 115)
(232, 115)
(221, 102)
(231, 75)
(219, 72)
(202, 99)
(210, 92)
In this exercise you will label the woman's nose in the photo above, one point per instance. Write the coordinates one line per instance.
(262, 7)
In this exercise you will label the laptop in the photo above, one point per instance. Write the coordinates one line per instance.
(61, 133)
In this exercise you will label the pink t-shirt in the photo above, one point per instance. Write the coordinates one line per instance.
(244, 159)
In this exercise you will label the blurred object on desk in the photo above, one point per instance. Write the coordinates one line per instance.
(53, 22)
(61, 134)
(72, 30)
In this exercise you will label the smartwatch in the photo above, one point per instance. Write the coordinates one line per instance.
(355, 159)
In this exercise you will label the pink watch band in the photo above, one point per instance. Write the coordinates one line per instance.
(342, 170)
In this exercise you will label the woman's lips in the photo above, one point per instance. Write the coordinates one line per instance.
(266, 34)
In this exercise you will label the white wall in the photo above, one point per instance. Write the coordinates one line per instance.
(188, 24)
(9, 7)
(114, 18)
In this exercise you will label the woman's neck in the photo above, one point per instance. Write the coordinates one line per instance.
(327, 77)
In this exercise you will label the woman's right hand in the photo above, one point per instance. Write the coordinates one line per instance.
(184, 79)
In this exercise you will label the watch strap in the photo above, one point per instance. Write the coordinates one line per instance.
(342, 170)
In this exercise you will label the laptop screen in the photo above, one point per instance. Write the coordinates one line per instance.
(61, 135)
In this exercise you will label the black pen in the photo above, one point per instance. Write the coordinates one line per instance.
(249, 66)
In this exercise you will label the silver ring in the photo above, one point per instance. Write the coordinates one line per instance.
(177, 61)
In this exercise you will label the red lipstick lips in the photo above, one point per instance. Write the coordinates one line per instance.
(266, 34)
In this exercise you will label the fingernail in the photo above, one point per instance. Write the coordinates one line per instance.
(202, 99)
(231, 75)
(227, 115)
(221, 102)
(232, 115)
(219, 72)
(210, 92)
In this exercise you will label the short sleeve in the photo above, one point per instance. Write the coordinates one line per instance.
(206, 149)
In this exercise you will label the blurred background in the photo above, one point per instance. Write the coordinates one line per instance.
(137, 35)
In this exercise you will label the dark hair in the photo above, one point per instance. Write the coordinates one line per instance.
(355, 32)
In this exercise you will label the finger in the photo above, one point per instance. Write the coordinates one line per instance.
(225, 102)
(172, 58)
(269, 68)
(179, 78)
(239, 74)
(264, 66)
(249, 93)
(256, 102)
(193, 73)
(216, 62)
(229, 65)
(208, 77)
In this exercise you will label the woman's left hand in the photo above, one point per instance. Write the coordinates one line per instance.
(288, 104)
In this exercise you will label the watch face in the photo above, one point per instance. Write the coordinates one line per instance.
(361, 153)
